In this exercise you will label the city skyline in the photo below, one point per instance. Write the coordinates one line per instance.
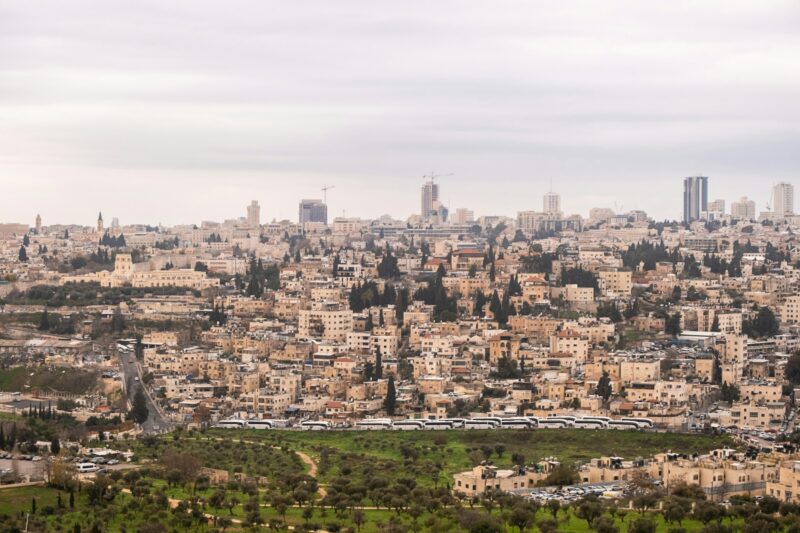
(711, 200)
(279, 104)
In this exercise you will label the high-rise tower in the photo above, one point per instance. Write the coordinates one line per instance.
(253, 214)
(695, 198)
(312, 211)
(551, 203)
(429, 200)
(783, 199)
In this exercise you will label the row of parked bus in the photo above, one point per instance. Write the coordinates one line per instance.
(256, 423)
(481, 422)
(520, 422)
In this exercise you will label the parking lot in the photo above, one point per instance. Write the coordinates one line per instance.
(574, 492)
(25, 468)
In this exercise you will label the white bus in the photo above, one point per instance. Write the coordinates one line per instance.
(600, 418)
(641, 422)
(481, 423)
(590, 423)
(496, 420)
(232, 423)
(315, 425)
(259, 424)
(622, 424)
(267, 424)
(517, 423)
(569, 419)
(553, 423)
(438, 424)
(458, 423)
(408, 425)
(375, 423)
(560, 421)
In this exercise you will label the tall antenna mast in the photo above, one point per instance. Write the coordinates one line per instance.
(432, 176)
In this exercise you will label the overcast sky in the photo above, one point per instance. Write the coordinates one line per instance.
(178, 112)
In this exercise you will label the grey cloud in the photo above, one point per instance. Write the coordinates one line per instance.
(269, 100)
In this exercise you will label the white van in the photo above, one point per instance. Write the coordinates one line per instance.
(85, 468)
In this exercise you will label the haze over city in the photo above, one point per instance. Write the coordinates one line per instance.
(179, 113)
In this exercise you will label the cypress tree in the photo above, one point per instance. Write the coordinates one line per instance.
(390, 403)
(378, 364)
(480, 301)
(496, 307)
(139, 412)
(44, 321)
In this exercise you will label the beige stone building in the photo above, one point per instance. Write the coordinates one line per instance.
(633, 370)
(327, 321)
(786, 486)
(571, 343)
(573, 294)
(125, 274)
(790, 309)
(615, 281)
(504, 345)
(482, 478)
(721, 474)
(754, 414)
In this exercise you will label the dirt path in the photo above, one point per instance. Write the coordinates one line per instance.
(312, 465)
(173, 503)
(312, 471)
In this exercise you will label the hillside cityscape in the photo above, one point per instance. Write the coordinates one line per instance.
(399, 267)
(311, 373)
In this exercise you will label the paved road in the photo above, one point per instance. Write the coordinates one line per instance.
(132, 377)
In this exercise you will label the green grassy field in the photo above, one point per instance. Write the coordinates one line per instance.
(443, 453)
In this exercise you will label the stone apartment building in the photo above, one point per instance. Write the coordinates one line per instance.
(328, 321)
(786, 485)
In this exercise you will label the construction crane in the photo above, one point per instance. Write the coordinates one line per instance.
(432, 176)
(325, 193)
